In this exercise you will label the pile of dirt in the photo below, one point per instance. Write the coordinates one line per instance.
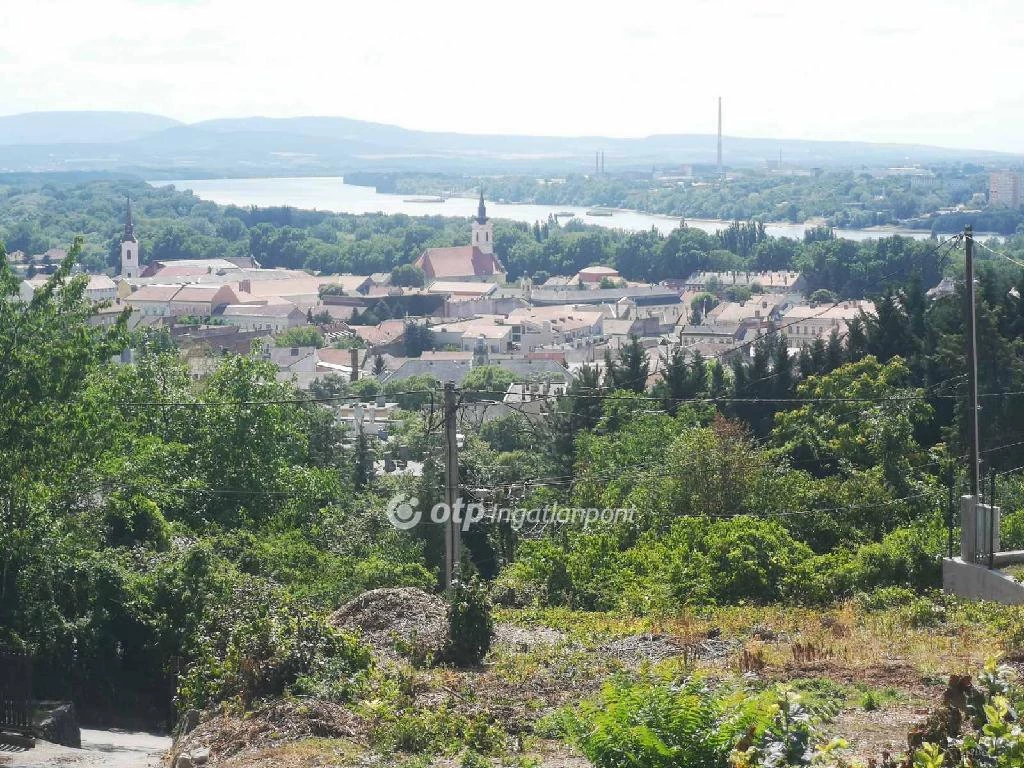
(394, 622)
(226, 735)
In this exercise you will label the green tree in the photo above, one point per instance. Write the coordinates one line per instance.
(301, 336)
(630, 370)
(408, 276)
(487, 382)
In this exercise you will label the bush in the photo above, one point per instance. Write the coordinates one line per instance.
(654, 724)
(469, 623)
(135, 521)
(266, 646)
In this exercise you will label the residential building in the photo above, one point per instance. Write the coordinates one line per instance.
(592, 276)
(780, 281)
(498, 333)
(646, 296)
(945, 287)
(263, 317)
(543, 326)
(99, 288)
(200, 300)
(459, 289)
(1004, 189)
(804, 323)
(153, 300)
(184, 268)
(457, 370)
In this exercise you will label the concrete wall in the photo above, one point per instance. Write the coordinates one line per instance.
(979, 583)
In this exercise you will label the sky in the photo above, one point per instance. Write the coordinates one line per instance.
(941, 72)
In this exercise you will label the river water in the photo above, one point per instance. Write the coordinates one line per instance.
(333, 194)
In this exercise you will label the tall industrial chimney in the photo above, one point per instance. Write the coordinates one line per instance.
(720, 172)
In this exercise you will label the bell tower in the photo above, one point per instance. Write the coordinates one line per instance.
(483, 229)
(129, 246)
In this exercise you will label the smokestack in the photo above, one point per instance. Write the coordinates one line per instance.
(602, 161)
(597, 162)
(720, 136)
(354, 358)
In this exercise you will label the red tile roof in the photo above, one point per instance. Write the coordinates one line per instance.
(460, 261)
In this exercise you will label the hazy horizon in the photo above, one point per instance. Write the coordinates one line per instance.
(880, 72)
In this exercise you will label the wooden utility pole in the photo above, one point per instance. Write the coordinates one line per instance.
(974, 468)
(453, 534)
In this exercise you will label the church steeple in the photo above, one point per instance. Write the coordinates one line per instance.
(129, 245)
(129, 225)
(481, 209)
(483, 230)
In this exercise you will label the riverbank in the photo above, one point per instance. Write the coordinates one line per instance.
(333, 194)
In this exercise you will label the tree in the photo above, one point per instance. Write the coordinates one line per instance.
(579, 410)
(408, 276)
(738, 293)
(700, 305)
(301, 336)
(49, 351)
(823, 296)
(487, 382)
(631, 369)
(870, 421)
(379, 368)
(418, 339)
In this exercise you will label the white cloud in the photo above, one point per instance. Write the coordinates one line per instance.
(882, 71)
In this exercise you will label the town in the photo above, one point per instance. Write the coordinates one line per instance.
(469, 385)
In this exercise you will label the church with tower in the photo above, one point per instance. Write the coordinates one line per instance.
(483, 229)
(475, 262)
(129, 246)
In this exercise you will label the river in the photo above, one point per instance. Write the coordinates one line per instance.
(331, 193)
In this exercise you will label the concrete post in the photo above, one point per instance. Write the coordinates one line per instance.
(968, 528)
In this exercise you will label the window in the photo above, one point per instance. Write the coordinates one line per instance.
(128, 254)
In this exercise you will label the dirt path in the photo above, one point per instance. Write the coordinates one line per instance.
(100, 749)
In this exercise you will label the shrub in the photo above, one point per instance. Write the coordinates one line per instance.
(135, 520)
(469, 623)
(265, 646)
(655, 724)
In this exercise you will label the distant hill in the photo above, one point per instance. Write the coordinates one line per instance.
(160, 147)
(79, 127)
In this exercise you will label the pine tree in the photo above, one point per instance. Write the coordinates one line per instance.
(378, 365)
(782, 368)
(856, 340)
(806, 362)
(363, 464)
(818, 355)
(834, 355)
(719, 385)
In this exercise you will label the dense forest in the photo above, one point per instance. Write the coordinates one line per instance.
(845, 199)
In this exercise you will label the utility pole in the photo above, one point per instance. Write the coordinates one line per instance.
(974, 468)
(453, 534)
